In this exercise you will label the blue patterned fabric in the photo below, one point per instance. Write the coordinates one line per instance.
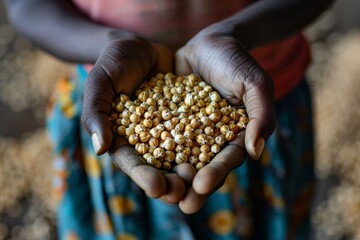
(265, 199)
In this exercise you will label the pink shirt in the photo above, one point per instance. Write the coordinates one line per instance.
(173, 23)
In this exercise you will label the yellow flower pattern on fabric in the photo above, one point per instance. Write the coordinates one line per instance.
(92, 166)
(65, 87)
(121, 205)
(229, 184)
(222, 222)
(126, 236)
(273, 200)
(102, 223)
(71, 236)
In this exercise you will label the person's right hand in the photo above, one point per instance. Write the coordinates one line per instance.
(122, 66)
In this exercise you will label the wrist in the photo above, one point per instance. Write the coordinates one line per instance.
(223, 30)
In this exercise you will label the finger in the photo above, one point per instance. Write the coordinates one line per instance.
(175, 188)
(96, 109)
(192, 202)
(258, 99)
(130, 162)
(186, 171)
(182, 66)
(213, 175)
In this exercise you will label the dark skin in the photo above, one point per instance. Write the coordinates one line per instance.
(218, 53)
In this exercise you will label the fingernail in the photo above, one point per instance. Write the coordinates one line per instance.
(95, 142)
(259, 148)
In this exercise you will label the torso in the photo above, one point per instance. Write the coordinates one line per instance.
(171, 23)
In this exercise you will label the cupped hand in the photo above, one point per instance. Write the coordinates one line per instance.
(225, 64)
(122, 66)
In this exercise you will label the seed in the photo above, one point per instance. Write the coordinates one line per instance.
(205, 121)
(140, 110)
(179, 139)
(222, 103)
(169, 125)
(139, 128)
(128, 104)
(205, 148)
(244, 119)
(134, 118)
(169, 156)
(234, 128)
(166, 165)
(144, 136)
(189, 99)
(203, 94)
(120, 107)
(121, 130)
(149, 115)
(169, 144)
(242, 112)
(155, 132)
(155, 122)
(209, 131)
(179, 148)
(151, 149)
(165, 135)
(151, 160)
(201, 139)
(210, 109)
(225, 119)
(174, 132)
(154, 142)
(210, 140)
(151, 101)
(125, 122)
(189, 134)
(229, 136)
(166, 114)
(195, 151)
(220, 140)
(133, 139)
(215, 117)
(193, 160)
(199, 165)
(215, 148)
(204, 157)
(147, 155)
(215, 96)
(142, 96)
(141, 148)
(187, 151)
(132, 109)
(224, 129)
(234, 116)
(208, 88)
(181, 158)
(159, 153)
(188, 142)
(129, 131)
(147, 123)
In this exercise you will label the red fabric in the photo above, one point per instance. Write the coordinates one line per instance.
(285, 61)
(174, 22)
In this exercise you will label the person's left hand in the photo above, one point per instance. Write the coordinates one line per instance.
(223, 62)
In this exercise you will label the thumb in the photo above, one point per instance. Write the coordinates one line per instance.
(182, 66)
(98, 96)
(258, 99)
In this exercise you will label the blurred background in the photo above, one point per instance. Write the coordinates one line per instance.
(27, 77)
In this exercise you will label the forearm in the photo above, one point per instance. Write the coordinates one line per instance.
(57, 27)
(269, 20)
